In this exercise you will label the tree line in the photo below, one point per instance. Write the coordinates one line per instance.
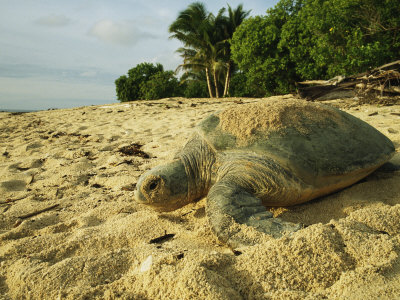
(229, 54)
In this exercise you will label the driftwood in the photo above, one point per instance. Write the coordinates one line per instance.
(37, 212)
(384, 80)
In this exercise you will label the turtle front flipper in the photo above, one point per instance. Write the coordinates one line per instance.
(244, 184)
(228, 206)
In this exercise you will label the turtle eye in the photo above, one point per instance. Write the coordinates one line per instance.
(153, 184)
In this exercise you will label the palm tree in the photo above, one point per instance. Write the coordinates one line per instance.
(192, 28)
(194, 63)
(215, 45)
(235, 18)
(206, 39)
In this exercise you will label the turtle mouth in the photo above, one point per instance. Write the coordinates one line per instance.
(138, 196)
(160, 207)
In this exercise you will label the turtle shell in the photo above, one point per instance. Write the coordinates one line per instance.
(311, 139)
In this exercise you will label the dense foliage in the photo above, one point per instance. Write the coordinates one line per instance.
(147, 81)
(195, 89)
(227, 54)
(315, 39)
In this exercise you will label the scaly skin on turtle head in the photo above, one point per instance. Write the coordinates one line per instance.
(164, 187)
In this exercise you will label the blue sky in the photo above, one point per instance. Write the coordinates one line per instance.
(58, 54)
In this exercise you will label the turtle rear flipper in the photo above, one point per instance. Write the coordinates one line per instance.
(228, 206)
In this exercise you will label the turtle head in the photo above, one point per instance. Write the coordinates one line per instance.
(164, 187)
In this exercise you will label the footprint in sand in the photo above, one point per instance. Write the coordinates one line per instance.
(27, 164)
(13, 185)
(33, 146)
(89, 220)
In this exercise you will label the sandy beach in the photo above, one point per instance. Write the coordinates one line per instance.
(70, 229)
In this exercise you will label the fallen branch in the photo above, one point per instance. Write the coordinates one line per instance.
(37, 212)
(385, 80)
(9, 201)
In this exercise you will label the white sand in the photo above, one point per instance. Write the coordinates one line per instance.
(95, 244)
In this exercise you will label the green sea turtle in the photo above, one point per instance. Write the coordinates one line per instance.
(272, 153)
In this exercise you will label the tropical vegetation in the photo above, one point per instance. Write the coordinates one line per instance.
(315, 39)
(230, 54)
(147, 81)
(206, 42)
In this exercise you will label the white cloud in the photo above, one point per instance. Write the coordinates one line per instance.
(168, 60)
(53, 20)
(121, 33)
(165, 12)
(88, 74)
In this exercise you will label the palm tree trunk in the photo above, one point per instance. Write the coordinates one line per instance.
(227, 79)
(209, 84)
(215, 83)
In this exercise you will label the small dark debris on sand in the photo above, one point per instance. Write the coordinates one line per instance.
(133, 150)
(129, 187)
(162, 238)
